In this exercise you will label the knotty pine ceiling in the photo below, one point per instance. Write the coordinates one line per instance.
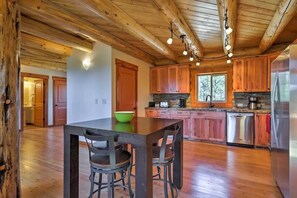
(140, 28)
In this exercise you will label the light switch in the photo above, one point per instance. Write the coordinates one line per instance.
(104, 101)
(96, 100)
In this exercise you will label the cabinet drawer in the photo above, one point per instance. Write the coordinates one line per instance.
(184, 113)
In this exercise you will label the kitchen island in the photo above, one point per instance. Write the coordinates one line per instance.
(140, 132)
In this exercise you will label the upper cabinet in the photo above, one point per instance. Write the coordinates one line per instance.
(159, 80)
(251, 75)
(170, 79)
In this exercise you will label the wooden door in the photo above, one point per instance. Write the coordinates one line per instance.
(39, 103)
(216, 129)
(239, 76)
(60, 101)
(173, 79)
(256, 80)
(184, 79)
(126, 87)
(262, 135)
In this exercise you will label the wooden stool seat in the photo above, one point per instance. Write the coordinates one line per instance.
(102, 162)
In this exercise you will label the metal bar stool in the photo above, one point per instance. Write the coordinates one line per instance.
(107, 160)
(163, 156)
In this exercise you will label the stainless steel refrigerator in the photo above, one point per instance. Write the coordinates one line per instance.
(284, 121)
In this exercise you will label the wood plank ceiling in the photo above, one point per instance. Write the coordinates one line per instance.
(52, 28)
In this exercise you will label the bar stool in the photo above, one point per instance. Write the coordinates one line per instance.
(107, 160)
(163, 156)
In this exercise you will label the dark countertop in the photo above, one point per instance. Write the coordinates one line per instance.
(213, 109)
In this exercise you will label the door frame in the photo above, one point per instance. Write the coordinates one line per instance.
(120, 63)
(44, 78)
(54, 79)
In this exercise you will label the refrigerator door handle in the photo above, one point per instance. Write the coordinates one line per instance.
(273, 122)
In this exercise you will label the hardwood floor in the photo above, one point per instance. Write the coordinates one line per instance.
(209, 170)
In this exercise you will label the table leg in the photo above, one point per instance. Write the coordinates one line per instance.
(178, 159)
(71, 165)
(144, 171)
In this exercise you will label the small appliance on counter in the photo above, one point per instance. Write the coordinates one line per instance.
(151, 104)
(253, 101)
(164, 104)
(182, 103)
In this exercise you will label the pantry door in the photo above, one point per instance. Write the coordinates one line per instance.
(126, 86)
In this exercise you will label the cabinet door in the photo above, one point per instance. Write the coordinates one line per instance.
(199, 128)
(262, 135)
(184, 79)
(154, 80)
(162, 80)
(173, 79)
(239, 75)
(163, 114)
(186, 124)
(256, 79)
(217, 129)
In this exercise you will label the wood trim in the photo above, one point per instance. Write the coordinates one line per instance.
(228, 69)
(126, 64)
(45, 88)
(58, 78)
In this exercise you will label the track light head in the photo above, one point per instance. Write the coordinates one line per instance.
(228, 30)
(169, 41)
(228, 61)
(230, 54)
(198, 63)
(185, 52)
(191, 58)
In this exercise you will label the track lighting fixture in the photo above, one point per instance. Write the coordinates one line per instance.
(185, 52)
(198, 63)
(228, 60)
(191, 58)
(170, 39)
(230, 54)
(228, 29)
(227, 45)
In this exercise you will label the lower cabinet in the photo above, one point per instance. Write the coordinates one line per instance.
(208, 126)
(262, 129)
(199, 125)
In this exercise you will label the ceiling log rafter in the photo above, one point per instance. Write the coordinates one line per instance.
(286, 11)
(78, 25)
(112, 13)
(44, 31)
(231, 5)
(172, 13)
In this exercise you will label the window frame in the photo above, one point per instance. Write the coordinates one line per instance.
(211, 88)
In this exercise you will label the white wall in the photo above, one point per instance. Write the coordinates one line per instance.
(89, 92)
(50, 73)
(143, 96)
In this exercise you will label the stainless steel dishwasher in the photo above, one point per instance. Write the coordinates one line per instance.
(240, 129)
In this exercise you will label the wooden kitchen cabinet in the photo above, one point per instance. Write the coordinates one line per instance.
(250, 75)
(170, 79)
(186, 117)
(262, 131)
(208, 126)
(271, 58)
(157, 113)
(151, 113)
(159, 80)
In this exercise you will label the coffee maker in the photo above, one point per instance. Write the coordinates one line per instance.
(253, 101)
(182, 103)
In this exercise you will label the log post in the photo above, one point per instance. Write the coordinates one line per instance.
(9, 87)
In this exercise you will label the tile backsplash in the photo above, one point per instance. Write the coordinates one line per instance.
(243, 98)
(172, 99)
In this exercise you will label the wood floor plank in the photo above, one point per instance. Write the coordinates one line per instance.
(210, 171)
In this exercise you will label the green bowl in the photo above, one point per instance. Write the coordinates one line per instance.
(124, 116)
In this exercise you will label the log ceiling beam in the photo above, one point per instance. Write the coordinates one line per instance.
(29, 51)
(231, 5)
(26, 61)
(112, 13)
(172, 13)
(41, 30)
(80, 26)
(287, 9)
(30, 41)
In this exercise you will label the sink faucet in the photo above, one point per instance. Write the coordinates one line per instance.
(210, 105)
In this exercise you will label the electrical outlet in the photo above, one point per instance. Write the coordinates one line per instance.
(96, 100)
(103, 101)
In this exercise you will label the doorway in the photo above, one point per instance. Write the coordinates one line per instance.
(126, 86)
(34, 100)
(60, 101)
